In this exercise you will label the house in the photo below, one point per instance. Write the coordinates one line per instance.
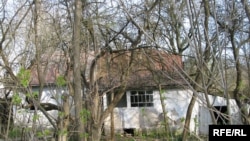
(142, 109)
(154, 77)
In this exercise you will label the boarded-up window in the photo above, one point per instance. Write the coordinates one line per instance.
(141, 98)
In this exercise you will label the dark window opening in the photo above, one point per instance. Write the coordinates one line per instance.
(141, 98)
(129, 131)
(121, 103)
(219, 114)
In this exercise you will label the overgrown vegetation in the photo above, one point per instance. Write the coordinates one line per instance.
(59, 59)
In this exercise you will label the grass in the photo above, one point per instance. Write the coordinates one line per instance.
(154, 136)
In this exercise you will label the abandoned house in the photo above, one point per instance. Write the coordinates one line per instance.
(154, 83)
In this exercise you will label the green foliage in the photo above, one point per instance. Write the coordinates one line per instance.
(24, 77)
(195, 120)
(242, 97)
(18, 132)
(60, 81)
(84, 115)
(61, 114)
(35, 94)
(63, 132)
(43, 133)
(143, 111)
(182, 119)
(84, 135)
(15, 132)
(27, 129)
(162, 94)
(28, 95)
(47, 132)
(162, 91)
(241, 85)
(16, 99)
(32, 95)
(40, 134)
(35, 117)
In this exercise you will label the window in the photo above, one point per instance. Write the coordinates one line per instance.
(141, 98)
(121, 103)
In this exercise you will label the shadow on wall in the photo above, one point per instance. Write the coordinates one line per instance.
(175, 125)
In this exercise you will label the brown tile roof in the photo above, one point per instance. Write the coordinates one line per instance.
(52, 66)
(150, 67)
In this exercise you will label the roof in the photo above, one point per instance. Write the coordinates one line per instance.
(150, 67)
(51, 67)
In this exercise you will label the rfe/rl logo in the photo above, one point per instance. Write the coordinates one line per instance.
(229, 132)
(235, 132)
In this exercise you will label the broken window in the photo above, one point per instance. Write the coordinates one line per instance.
(141, 98)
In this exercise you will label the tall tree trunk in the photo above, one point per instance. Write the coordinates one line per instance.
(96, 121)
(63, 120)
(77, 71)
(245, 3)
(207, 55)
(96, 128)
(112, 125)
(239, 81)
(38, 52)
(165, 118)
(188, 117)
(6, 117)
(203, 58)
(190, 108)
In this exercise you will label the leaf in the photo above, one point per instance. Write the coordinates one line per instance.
(60, 81)
(24, 77)
(16, 99)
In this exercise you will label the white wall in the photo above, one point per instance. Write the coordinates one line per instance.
(205, 117)
(23, 117)
(176, 104)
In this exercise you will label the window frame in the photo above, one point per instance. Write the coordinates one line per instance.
(141, 98)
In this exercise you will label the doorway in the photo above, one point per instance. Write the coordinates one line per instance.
(221, 115)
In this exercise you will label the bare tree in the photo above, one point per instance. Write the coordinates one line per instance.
(92, 45)
(10, 24)
(78, 98)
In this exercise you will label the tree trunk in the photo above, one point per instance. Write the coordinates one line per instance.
(239, 81)
(165, 118)
(63, 120)
(247, 9)
(6, 117)
(96, 132)
(38, 52)
(96, 122)
(188, 117)
(77, 71)
(112, 125)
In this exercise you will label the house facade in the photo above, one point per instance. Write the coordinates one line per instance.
(140, 107)
(23, 114)
(141, 110)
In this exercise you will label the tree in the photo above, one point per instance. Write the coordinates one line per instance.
(10, 24)
(211, 36)
(78, 98)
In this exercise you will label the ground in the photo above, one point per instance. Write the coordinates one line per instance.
(148, 138)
